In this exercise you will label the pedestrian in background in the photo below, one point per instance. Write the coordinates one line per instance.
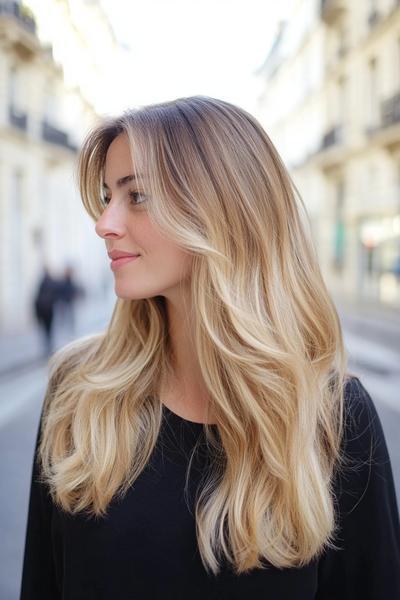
(44, 303)
(68, 293)
(210, 443)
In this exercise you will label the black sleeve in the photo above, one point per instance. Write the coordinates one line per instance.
(367, 565)
(38, 572)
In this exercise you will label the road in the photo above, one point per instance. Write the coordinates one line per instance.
(374, 356)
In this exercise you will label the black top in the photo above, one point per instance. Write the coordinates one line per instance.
(146, 547)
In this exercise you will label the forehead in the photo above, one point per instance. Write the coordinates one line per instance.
(118, 152)
(118, 165)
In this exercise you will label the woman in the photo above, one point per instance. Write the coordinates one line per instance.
(210, 443)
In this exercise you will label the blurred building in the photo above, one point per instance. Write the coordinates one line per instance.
(56, 61)
(331, 105)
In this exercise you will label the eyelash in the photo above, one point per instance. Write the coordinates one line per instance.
(132, 195)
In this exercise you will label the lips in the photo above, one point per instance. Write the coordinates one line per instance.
(116, 254)
(117, 263)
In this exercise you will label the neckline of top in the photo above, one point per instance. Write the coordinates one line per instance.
(179, 418)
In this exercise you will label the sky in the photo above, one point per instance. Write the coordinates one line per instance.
(186, 47)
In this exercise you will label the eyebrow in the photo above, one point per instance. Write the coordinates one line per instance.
(122, 181)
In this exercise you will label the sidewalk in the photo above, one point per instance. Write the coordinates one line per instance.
(371, 310)
(23, 350)
(372, 322)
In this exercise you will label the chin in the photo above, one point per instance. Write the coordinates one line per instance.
(124, 293)
(126, 296)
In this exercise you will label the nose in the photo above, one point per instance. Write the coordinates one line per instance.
(111, 223)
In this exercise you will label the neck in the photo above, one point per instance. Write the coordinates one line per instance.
(185, 392)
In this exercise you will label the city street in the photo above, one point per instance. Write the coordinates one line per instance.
(278, 139)
(374, 349)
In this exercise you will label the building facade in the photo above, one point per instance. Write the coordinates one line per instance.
(46, 107)
(331, 104)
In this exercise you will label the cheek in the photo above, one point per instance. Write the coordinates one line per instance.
(161, 250)
(160, 272)
(173, 261)
(163, 257)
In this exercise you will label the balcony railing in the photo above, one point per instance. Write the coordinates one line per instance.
(390, 110)
(17, 118)
(330, 10)
(56, 136)
(331, 137)
(19, 12)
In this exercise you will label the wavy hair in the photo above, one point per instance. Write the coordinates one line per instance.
(267, 337)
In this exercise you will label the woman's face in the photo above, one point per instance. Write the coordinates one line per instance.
(125, 226)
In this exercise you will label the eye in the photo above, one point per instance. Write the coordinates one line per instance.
(137, 197)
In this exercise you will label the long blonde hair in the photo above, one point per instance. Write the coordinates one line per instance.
(266, 332)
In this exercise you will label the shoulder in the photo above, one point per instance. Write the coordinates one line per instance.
(67, 362)
(67, 369)
(359, 408)
(364, 560)
(362, 432)
(365, 471)
(356, 396)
